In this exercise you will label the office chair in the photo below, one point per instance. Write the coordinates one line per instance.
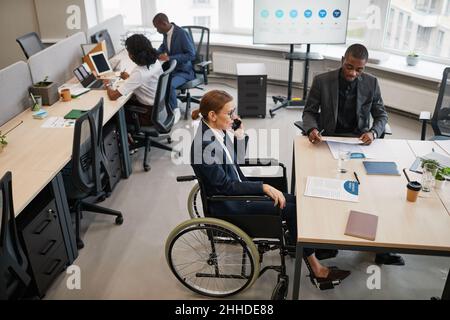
(30, 44)
(103, 35)
(200, 38)
(440, 121)
(86, 176)
(13, 263)
(162, 117)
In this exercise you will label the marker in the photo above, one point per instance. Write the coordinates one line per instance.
(356, 176)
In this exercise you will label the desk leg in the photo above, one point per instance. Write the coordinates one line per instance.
(293, 170)
(298, 271)
(446, 292)
(123, 136)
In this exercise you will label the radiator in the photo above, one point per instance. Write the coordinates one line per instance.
(277, 69)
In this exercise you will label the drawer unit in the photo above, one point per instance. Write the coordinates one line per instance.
(252, 89)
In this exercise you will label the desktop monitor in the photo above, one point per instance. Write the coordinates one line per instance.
(100, 63)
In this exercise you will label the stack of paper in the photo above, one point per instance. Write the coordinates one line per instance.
(335, 189)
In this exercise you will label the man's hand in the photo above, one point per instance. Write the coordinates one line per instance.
(163, 57)
(367, 138)
(315, 136)
(124, 75)
(276, 195)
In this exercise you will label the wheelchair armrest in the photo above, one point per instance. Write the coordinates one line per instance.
(136, 109)
(260, 162)
(239, 198)
(186, 178)
(203, 64)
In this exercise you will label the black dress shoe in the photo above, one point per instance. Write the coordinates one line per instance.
(322, 254)
(389, 259)
(335, 275)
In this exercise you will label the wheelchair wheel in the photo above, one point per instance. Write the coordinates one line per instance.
(212, 257)
(281, 289)
(194, 203)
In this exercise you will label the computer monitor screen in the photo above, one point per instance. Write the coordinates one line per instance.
(100, 63)
(300, 21)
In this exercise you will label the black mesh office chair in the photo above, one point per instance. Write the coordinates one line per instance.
(13, 262)
(103, 35)
(86, 177)
(441, 116)
(200, 37)
(30, 44)
(162, 117)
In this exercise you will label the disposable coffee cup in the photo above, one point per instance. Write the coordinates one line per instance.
(65, 95)
(413, 188)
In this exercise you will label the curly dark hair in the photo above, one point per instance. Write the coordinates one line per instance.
(141, 50)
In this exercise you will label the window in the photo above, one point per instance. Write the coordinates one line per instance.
(243, 15)
(201, 2)
(196, 12)
(130, 9)
(204, 21)
(439, 42)
(427, 6)
(447, 12)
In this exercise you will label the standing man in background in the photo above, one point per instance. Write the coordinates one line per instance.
(177, 45)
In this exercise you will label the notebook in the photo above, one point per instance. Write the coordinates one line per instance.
(74, 114)
(382, 168)
(362, 225)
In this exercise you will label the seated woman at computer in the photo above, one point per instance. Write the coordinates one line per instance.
(143, 80)
(220, 172)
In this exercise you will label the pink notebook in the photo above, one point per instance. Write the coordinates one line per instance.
(362, 225)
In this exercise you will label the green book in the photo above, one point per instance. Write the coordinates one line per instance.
(74, 114)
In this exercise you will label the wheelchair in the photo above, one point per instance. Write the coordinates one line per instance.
(222, 255)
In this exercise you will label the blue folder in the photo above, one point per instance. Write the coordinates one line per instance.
(382, 168)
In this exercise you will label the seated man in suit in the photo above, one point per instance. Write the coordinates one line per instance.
(341, 103)
(178, 45)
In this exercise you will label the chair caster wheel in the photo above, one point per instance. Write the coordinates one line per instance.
(119, 220)
(80, 244)
(169, 140)
(147, 168)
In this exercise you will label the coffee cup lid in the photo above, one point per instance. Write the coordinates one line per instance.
(414, 185)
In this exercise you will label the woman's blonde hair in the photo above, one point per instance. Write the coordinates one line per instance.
(213, 100)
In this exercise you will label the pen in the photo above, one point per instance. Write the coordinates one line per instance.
(356, 176)
(321, 131)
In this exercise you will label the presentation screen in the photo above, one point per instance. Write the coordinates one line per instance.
(300, 21)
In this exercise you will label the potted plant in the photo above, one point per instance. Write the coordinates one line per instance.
(412, 59)
(3, 141)
(47, 90)
(441, 175)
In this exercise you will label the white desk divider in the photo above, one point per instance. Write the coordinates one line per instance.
(58, 61)
(115, 27)
(15, 81)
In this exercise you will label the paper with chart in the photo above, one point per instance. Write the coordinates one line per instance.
(376, 150)
(336, 189)
(58, 122)
(355, 141)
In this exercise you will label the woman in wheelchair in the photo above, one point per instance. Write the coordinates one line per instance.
(215, 156)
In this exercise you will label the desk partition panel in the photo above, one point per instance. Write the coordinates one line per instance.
(58, 61)
(115, 27)
(15, 81)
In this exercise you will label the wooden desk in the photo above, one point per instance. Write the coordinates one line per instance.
(404, 227)
(36, 155)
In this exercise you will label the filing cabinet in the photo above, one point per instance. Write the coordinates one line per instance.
(112, 153)
(252, 89)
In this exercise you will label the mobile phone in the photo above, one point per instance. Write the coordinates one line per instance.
(236, 124)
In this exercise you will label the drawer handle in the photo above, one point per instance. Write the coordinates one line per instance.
(44, 224)
(53, 267)
(48, 247)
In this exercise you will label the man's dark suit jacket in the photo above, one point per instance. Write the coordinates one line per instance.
(321, 109)
(181, 49)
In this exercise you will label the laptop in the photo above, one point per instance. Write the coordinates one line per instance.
(87, 78)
